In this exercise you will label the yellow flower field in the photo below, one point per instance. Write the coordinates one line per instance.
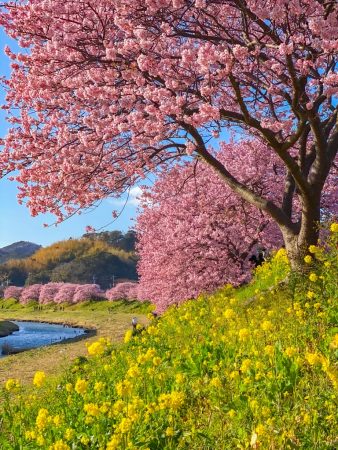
(249, 368)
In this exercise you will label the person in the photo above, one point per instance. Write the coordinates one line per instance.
(260, 258)
(134, 322)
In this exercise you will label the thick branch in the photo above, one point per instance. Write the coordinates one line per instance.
(270, 137)
(247, 194)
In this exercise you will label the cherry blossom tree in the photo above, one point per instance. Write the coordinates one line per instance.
(31, 292)
(86, 292)
(194, 235)
(105, 93)
(66, 293)
(123, 291)
(48, 292)
(13, 292)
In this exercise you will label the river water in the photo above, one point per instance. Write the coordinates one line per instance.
(37, 334)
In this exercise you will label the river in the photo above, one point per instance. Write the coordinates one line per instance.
(37, 334)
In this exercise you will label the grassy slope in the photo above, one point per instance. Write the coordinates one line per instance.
(252, 368)
(109, 319)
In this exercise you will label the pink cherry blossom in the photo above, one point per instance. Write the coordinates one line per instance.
(110, 92)
(13, 292)
(66, 293)
(48, 292)
(195, 234)
(86, 292)
(123, 291)
(31, 292)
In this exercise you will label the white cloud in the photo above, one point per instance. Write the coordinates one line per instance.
(134, 194)
(133, 198)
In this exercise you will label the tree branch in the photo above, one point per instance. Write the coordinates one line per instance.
(247, 194)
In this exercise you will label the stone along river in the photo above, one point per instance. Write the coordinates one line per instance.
(36, 334)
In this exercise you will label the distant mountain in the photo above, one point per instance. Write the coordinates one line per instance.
(18, 250)
(102, 258)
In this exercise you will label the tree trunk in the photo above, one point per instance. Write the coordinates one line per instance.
(297, 241)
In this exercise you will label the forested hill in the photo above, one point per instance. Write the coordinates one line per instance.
(18, 250)
(101, 258)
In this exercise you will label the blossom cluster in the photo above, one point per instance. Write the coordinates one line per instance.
(195, 234)
(123, 291)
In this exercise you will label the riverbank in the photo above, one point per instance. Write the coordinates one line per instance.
(7, 328)
(103, 319)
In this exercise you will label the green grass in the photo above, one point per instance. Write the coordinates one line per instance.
(252, 368)
(109, 319)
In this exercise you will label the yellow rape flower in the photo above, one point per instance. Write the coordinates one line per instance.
(334, 342)
(216, 382)
(91, 409)
(59, 445)
(170, 431)
(84, 440)
(42, 418)
(12, 383)
(243, 334)
(96, 348)
(124, 387)
(308, 259)
(30, 435)
(269, 350)
(133, 371)
(231, 413)
(156, 361)
(69, 434)
(114, 443)
(313, 277)
(246, 365)
(128, 336)
(99, 386)
(173, 401)
(290, 351)
(57, 420)
(125, 425)
(229, 313)
(81, 386)
(39, 378)
(179, 378)
(266, 325)
(334, 228)
(40, 440)
(260, 429)
(313, 358)
(313, 249)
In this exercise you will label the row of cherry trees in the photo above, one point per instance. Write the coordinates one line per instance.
(70, 293)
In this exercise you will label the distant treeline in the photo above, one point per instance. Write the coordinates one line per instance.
(99, 258)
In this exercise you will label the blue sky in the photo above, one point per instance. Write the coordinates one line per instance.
(16, 224)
